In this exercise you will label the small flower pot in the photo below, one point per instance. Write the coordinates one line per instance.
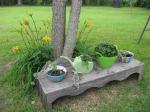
(54, 76)
(126, 56)
(81, 66)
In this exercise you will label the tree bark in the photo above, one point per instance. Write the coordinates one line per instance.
(19, 2)
(73, 28)
(58, 26)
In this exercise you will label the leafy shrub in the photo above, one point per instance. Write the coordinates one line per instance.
(106, 49)
(36, 50)
(129, 2)
(144, 3)
(29, 63)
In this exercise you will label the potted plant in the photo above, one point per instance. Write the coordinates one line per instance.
(83, 64)
(56, 72)
(125, 56)
(106, 54)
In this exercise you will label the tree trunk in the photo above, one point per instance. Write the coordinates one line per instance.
(58, 26)
(73, 28)
(19, 2)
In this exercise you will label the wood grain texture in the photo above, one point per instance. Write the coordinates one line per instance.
(50, 91)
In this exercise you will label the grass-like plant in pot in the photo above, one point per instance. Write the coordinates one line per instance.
(125, 56)
(106, 54)
(56, 73)
(83, 64)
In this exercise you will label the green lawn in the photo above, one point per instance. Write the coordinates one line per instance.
(119, 26)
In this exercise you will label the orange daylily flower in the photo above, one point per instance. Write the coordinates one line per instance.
(88, 24)
(16, 49)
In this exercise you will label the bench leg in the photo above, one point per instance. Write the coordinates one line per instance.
(140, 77)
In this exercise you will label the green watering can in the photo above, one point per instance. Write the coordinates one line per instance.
(79, 65)
(106, 62)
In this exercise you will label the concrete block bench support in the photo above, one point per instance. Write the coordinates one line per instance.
(50, 91)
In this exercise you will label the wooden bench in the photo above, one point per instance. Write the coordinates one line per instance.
(50, 91)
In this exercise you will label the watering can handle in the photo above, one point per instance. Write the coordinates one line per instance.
(69, 62)
(98, 54)
(67, 59)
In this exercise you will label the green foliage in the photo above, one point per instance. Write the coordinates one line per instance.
(52, 65)
(46, 2)
(86, 58)
(143, 3)
(129, 2)
(106, 49)
(29, 63)
(82, 46)
(35, 52)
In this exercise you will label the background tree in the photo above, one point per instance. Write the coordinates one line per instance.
(98, 2)
(2, 2)
(117, 3)
(19, 2)
(87, 2)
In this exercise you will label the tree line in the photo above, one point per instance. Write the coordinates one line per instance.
(117, 3)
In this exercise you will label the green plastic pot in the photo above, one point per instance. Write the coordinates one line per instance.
(106, 62)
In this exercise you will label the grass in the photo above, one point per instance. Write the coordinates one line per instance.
(119, 26)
